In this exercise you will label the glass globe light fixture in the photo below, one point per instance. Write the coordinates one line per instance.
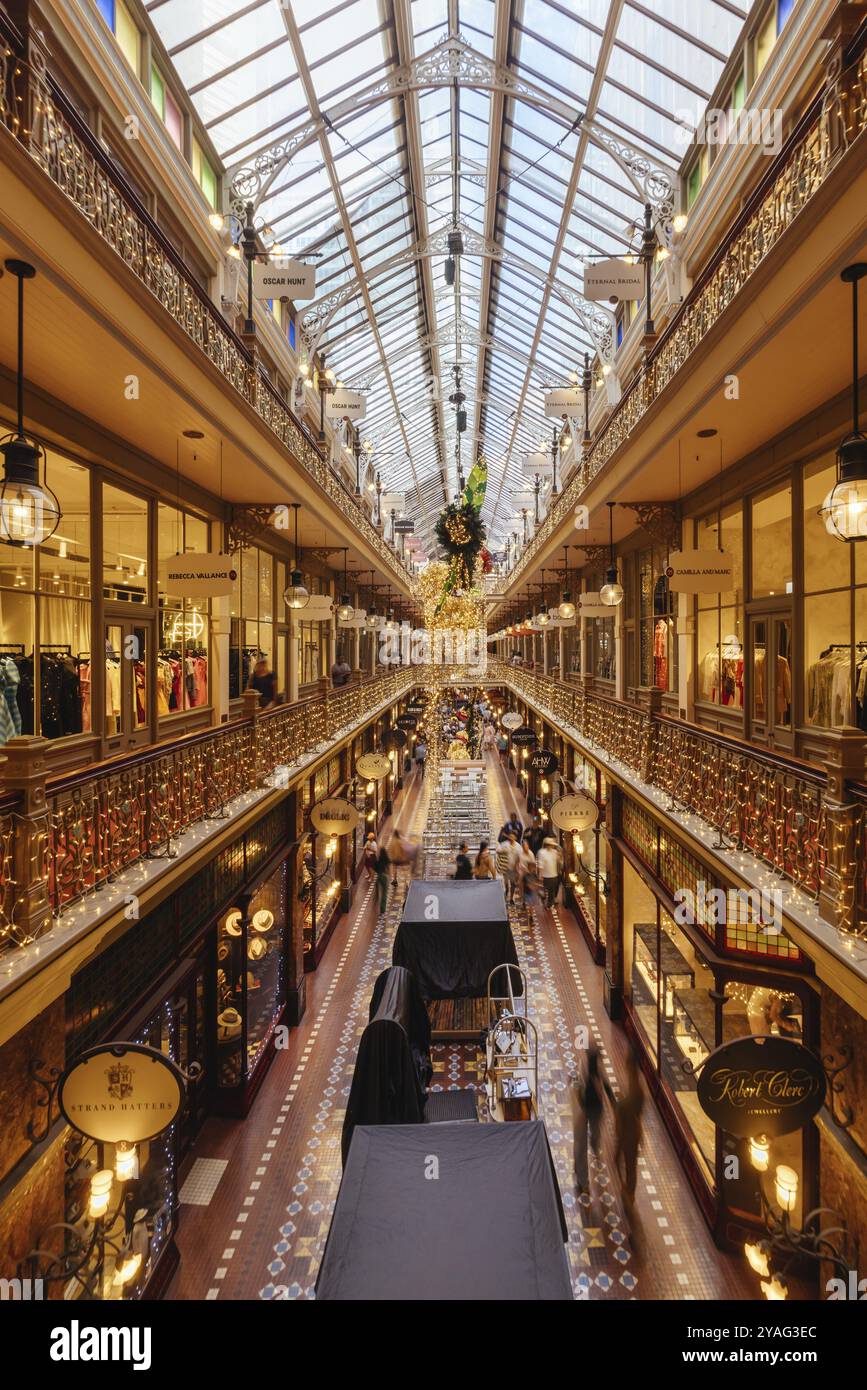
(845, 507)
(372, 619)
(611, 592)
(296, 596)
(543, 619)
(345, 610)
(567, 607)
(29, 511)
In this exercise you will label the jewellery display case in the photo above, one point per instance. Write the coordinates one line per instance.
(251, 988)
(656, 959)
(695, 1026)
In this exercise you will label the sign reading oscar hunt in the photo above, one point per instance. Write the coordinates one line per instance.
(122, 1093)
(284, 278)
(544, 762)
(334, 816)
(575, 813)
(525, 737)
(761, 1085)
(346, 404)
(512, 720)
(700, 572)
(198, 576)
(373, 766)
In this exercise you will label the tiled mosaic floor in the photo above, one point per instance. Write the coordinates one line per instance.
(264, 1233)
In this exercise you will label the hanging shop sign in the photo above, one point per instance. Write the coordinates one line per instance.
(404, 526)
(416, 709)
(122, 1093)
(394, 738)
(198, 576)
(334, 816)
(284, 278)
(317, 609)
(544, 762)
(613, 280)
(566, 402)
(373, 767)
(525, 737)
(575, 813)
(761, 1085)
(591, 606)
(407, 721)
(700, 572)
(512, 720)
(343, 403)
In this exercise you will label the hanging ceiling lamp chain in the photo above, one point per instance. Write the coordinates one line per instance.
(29, 511)
(296, 596)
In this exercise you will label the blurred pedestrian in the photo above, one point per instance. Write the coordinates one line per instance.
(587, 1093)
(627, 1125)
(550, 864)
(463, 867)
(508, 855)
(484, 865)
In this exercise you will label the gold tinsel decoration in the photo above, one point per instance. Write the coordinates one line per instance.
(462, 612)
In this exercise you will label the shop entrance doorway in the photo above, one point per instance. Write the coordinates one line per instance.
(129, 648)
(770, 679)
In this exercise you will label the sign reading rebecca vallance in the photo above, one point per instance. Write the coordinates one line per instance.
(198, 576)
(761, 1085)
(700, 572)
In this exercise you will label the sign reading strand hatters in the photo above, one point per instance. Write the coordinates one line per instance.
(761, 1085)
(122, 1093)
(525, 737)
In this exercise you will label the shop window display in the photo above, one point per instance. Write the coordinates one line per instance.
(656, 629)
(252, 618)
(250, 982)
(182, 660)
(835, 614)
(720, 617)
(46, 620)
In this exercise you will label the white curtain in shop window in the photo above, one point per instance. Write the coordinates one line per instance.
(65, 622)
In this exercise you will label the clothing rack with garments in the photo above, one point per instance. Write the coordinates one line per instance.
(721, 677)
(182, 677)
(782, 687)
(241, 663)
(59, 691)
(830, 683)
(11, 654)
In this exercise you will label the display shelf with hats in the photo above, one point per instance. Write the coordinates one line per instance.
(251, 989)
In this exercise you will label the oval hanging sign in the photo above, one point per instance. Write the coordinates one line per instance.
(407, 721)
(334, 816)
(373, 766)
(512, 720)
(761, 1084)
(394, 738)
(575, 813)
(122, 1093)
(544, 762)
(525, 737)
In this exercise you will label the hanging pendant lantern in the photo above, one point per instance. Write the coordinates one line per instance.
(295, 596)
(29, 510)
(845, 508)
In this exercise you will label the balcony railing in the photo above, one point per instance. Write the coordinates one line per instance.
(774, 808)
(835, 121)
(36, 113)
(64, 840)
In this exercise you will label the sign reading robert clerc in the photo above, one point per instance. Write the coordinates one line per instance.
(761, 1085)
(525, 737)
(334, 816)
(544, 762)
(122, 1093)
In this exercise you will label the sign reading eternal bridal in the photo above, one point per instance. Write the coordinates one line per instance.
(761, 1085)
(334, 816)
(613, 280)
(700, 572)
(121, 1093)
(198, 576)
(373, 766)
(284, 279)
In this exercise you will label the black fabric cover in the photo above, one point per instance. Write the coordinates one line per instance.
(490, 1226)
(452, 955)
(393, 1067)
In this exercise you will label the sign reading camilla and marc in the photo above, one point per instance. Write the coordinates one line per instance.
(122, 1093)
(761, 1085)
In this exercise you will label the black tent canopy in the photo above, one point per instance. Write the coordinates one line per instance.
(488, 1225)
(452, 934)
(393, 1068)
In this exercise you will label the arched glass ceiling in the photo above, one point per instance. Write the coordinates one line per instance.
(386, 176)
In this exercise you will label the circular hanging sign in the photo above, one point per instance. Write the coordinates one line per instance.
(525, 737)
(544, 762)
(512, 720)
(407, 721)
(575, 813)
(761, 1084)
(394, 738)
(334, 816)
(122, 1093)
(373, 766)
